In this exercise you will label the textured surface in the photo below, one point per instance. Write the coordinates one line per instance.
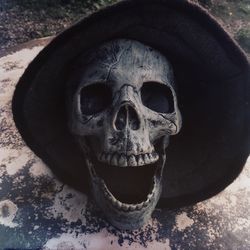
(37, 211)
(45, 17)
(211, 148)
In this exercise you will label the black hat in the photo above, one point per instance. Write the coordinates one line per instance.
(212, 75)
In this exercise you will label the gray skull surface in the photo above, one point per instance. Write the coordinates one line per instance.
(122, 113)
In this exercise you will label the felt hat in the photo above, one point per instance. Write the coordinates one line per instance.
(212, 75)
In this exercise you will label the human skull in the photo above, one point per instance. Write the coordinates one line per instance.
(122, 113)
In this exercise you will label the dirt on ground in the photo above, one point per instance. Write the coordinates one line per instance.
(24, 20)
(21, 21)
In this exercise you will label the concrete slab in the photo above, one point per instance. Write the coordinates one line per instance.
(39, 212)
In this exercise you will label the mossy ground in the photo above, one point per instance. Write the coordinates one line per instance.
(23, 20)
(243, 37)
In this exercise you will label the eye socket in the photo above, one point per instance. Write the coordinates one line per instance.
(157, 97)
(95, 98)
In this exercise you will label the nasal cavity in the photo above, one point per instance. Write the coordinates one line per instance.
(127, 117)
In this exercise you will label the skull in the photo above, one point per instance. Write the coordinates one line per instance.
(122, 112)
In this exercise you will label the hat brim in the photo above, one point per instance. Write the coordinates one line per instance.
(212, 75)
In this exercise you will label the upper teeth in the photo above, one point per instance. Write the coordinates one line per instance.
(123, 160)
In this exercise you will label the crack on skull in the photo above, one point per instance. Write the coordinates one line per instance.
(112, 66)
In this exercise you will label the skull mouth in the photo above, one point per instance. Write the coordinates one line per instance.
(127, 188)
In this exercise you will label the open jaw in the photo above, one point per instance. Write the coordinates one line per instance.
(127, 195)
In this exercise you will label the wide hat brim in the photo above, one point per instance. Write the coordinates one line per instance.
(212, 75)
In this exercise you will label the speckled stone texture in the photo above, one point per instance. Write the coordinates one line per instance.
(39, 212)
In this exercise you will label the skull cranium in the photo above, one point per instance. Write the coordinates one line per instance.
(122, 113)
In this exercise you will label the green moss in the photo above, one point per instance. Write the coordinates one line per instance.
(243, 37)
(244, 7)
(221, 10)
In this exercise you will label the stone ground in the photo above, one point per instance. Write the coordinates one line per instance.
(21, 21)
(39, 212)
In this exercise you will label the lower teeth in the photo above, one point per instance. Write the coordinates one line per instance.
(123, 206)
